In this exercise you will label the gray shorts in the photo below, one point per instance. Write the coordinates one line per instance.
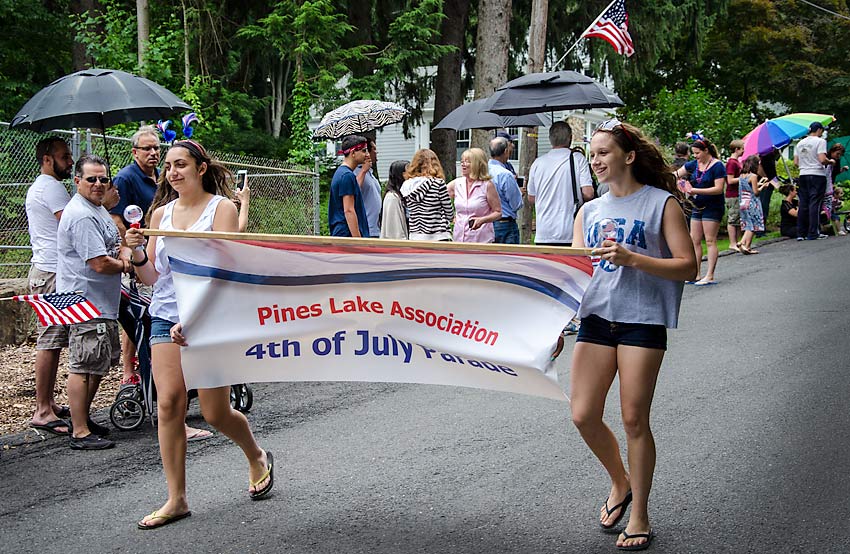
(94, 346)
(733, 211)
(51, 337)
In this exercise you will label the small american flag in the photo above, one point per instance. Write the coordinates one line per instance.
(60, 308)
(613, 26)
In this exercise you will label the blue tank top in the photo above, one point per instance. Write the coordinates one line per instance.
(625, 294)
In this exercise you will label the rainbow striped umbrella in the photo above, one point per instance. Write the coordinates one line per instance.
(780, 131)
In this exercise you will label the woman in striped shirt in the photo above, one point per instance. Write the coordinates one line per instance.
(430, 209)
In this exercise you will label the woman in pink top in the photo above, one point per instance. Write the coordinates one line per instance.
(476, 201)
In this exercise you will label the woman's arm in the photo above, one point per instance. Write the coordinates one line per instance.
(681, 267)
(495, 207)
(146, 272)
(244, 197)
(578, 229)
(226, 218)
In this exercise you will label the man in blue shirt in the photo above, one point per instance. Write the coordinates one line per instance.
(507, 231)
(371, 189)
(136, 183)
(346, 214)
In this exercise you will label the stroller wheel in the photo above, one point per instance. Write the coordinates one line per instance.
(127, 413)
(131, 391)
(241, 397)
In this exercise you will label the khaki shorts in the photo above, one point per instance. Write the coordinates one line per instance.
(94, 346)
(733, 211)
(52, 337)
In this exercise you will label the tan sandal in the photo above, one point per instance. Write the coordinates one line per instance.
(166, 519)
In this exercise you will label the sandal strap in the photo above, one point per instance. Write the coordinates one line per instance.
(626, 500)
(646, 535)
(263, 478)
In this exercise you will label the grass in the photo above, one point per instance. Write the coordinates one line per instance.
(723, 243)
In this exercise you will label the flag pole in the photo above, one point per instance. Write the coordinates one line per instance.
(17, 295)
(581, 36)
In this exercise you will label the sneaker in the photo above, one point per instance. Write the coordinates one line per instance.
(800, 238)
(822, 236)
(96, 428)
(90, 442)
(571, 328)
(842, 233)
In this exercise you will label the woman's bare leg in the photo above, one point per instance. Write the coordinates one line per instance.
(593, 370)
(171, 411)
(696, 239)
(710, 228)
(215, 405)
(638, 370)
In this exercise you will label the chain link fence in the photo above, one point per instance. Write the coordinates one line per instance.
(284, 197)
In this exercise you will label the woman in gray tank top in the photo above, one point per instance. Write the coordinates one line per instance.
(643, 254)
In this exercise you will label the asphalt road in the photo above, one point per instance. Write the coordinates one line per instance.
(750, 418)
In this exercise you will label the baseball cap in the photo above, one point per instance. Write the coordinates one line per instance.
(815, 126)
(506, 135)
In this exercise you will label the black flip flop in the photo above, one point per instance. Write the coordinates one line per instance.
(621, 506)
(642, 546)
(256, 495)
(51, 427)
(64, 412)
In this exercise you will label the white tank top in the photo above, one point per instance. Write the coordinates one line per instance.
(164, 300)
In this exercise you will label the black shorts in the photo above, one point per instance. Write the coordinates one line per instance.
(597, 330)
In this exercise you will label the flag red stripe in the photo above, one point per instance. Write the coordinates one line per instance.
(46, 314)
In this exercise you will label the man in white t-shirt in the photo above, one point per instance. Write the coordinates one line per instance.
(810, 157)
(46, 199)
(550, 188)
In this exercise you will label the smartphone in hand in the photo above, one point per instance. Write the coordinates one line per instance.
(241, 179)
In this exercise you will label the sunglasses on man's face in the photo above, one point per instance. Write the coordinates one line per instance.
(103, 179)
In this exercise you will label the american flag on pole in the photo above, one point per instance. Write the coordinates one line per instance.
(60, 308)
(613, 26)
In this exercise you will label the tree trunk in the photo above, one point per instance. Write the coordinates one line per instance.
(491, 54)
(536, 56)
(78, 52)
(187, 77)
(143, 18)
(360, 18)
(448, 89)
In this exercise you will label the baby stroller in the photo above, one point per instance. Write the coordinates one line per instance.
(134, 401)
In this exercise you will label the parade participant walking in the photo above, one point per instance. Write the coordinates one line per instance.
(46, 198)
(810, 157)
(346, 213)
(193, 196)
(477, 203)
(393, 212)
(707, 181)
(638, 229)
(88, 244)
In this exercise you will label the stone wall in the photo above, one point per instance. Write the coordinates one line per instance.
(17, 320)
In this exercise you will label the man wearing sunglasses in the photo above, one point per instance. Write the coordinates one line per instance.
(90, 260)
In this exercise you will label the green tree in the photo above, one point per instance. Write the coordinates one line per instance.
(673, 114)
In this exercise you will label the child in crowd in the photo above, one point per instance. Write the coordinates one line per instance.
(837, 205)
(752, 218)
(833, 168)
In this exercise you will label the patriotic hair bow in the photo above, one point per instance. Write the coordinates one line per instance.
(188, 119)
(167, 134)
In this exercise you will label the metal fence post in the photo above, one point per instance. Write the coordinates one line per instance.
(88, 141)
(75, 144)
(316, 225)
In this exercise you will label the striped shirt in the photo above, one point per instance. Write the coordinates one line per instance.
(430, 210)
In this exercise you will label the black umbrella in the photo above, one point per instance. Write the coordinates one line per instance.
(548, 92)
(474, 116)
(97, 98)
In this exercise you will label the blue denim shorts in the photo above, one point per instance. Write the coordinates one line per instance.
(711, 212)
(160, 330)
(597, 330)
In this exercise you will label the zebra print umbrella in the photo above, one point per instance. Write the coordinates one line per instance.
(358, 116)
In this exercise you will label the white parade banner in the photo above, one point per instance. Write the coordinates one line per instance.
(257, 311)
